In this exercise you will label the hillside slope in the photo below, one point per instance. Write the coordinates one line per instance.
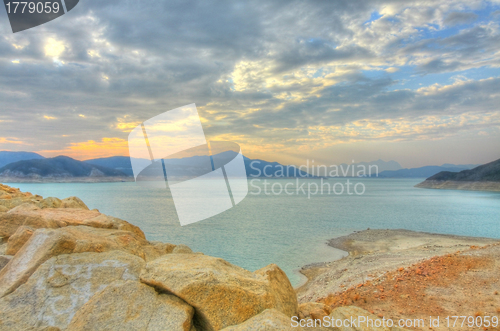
(422, 172)
(486, 172)
(121, 163)
(7, 157)
(483, 178)
(60, 166)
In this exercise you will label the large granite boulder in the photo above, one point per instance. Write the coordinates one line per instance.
(61, 217)
(74, 203)
(9, 223)
(182, 249)
(61, 286)
(133, 306)
(18, 239)
(46, 243)
(313, 310)
(4, 259)
(268, 320)
(50, 202)
(221, 293)
(12, 197)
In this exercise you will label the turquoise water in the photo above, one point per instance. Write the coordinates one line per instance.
(291, 230)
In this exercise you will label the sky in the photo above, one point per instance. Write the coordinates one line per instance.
(332, 81)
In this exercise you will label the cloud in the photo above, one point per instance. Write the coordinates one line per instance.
(92, 149)
(267, 74)
(457, 18)
(10, 140)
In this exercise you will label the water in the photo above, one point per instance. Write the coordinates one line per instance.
(291, 230)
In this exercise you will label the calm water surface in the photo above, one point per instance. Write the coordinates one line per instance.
(291, 230)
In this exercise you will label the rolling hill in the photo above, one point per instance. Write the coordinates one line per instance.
(7, 157)
(486, 172)
(57, 167)
(176, 167)
(121, 163)
(422, 172)
(482, 178)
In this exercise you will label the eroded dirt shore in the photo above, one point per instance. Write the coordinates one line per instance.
(405, 274)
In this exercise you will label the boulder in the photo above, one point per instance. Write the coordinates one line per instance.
(9, 222)
(221, 293)
(61, 217)
(18, 239)
(283, 294)
(3, 209)
(25, 208)
(109, 222)
(73, 202)
(353, 312)
(156, 249)
(50, 202)
(268, 320)
(313, 310)
(133, 306)
(46, 243)
(4, 259)
(61, 286)
(182, 249)
(12, 197)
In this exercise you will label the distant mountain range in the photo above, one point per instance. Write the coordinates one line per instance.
(424, 172)
(10, 157)
(192, 165)
(57, 167)
(254, 167)
(381, 165)
(26, 164)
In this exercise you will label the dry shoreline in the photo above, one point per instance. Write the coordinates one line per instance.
(373, 253)
(460, 185)
(407, 275)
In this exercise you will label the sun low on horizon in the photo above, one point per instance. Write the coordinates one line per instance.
(415, 81)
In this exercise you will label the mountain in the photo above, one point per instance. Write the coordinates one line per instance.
(195, 165)
(261, 168)
(489, 172)
(422, 172)
(380, 164)
(121, 163)
(57, 167)
(10, 157)
(483, 178)
(464, 166)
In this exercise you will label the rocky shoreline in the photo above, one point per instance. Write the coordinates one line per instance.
(65, 267)
(460, 185)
